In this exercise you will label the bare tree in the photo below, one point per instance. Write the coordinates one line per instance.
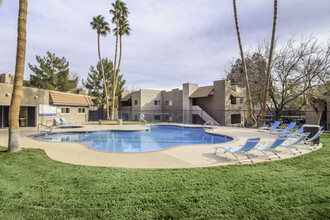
(299, 68)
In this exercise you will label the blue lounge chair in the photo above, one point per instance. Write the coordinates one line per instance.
(284, 130)
(250, 144)
(270, 146)
(58, 121)
(299, 131)
(275, 125)
(293, 144)
(309, 141)
(67, 122)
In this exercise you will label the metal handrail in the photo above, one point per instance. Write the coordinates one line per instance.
(208, 122)
(40, 124)
(51, 121)
(142, 119)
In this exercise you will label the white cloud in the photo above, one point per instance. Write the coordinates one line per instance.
(172, 41)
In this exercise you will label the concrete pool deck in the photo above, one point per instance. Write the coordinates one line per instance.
(188, 156)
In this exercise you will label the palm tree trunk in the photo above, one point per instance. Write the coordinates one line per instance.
(103, 75)
(119, 61)
(114, 77)
(250, 121)
(264, 101)
(14, 138)
(0, 2)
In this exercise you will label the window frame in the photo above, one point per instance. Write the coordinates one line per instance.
(157, 119)
(66, 113)
(84, 112)
(233, 100)
(168, 103)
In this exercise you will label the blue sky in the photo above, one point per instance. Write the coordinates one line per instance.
(172, 42)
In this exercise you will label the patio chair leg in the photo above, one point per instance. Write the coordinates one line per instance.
(237, 158)
(266, 155)
(249, 158)
(298, 150)
(277, 155)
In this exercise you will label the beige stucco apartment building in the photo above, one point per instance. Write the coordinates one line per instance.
(41, 105)
(220, 103)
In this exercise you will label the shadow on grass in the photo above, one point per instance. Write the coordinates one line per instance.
(3, 150)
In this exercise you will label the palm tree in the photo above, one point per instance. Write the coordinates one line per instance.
(124, 29)
(0, 2)
(14, 139)
(250, 121)
(119, 11)
(264, 101)
(102, 28)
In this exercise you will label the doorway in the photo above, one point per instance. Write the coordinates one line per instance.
(4, 113)
(31, 117)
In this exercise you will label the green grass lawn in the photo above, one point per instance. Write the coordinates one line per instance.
(32, 186)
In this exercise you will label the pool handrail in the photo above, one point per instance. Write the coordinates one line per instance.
(208, 122)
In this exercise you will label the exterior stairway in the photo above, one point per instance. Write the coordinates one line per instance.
(197, 110)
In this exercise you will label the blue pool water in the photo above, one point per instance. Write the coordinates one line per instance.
(157, 138)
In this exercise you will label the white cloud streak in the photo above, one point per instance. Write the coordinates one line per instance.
(172, 42)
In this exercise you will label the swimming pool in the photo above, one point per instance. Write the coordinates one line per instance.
(157, 138)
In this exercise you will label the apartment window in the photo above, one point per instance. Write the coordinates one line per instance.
(156, 102)
(233, 100)
(81, 110)
(128, 103)
(168, 118)
(65, 110)
(168, 102)
(235, 118)
(157, 117)
(180, 102)
(135, 102)
(241, 100)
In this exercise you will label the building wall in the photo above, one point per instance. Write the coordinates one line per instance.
(234, 109)
(188, 89)
(175, 110)
(215, 104)
(175, 96)
(148, 106)
(32, 97)
(74, 116)
(6, 78)
(147, 100)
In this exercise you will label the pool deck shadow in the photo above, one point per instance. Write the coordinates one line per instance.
(188, 156)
